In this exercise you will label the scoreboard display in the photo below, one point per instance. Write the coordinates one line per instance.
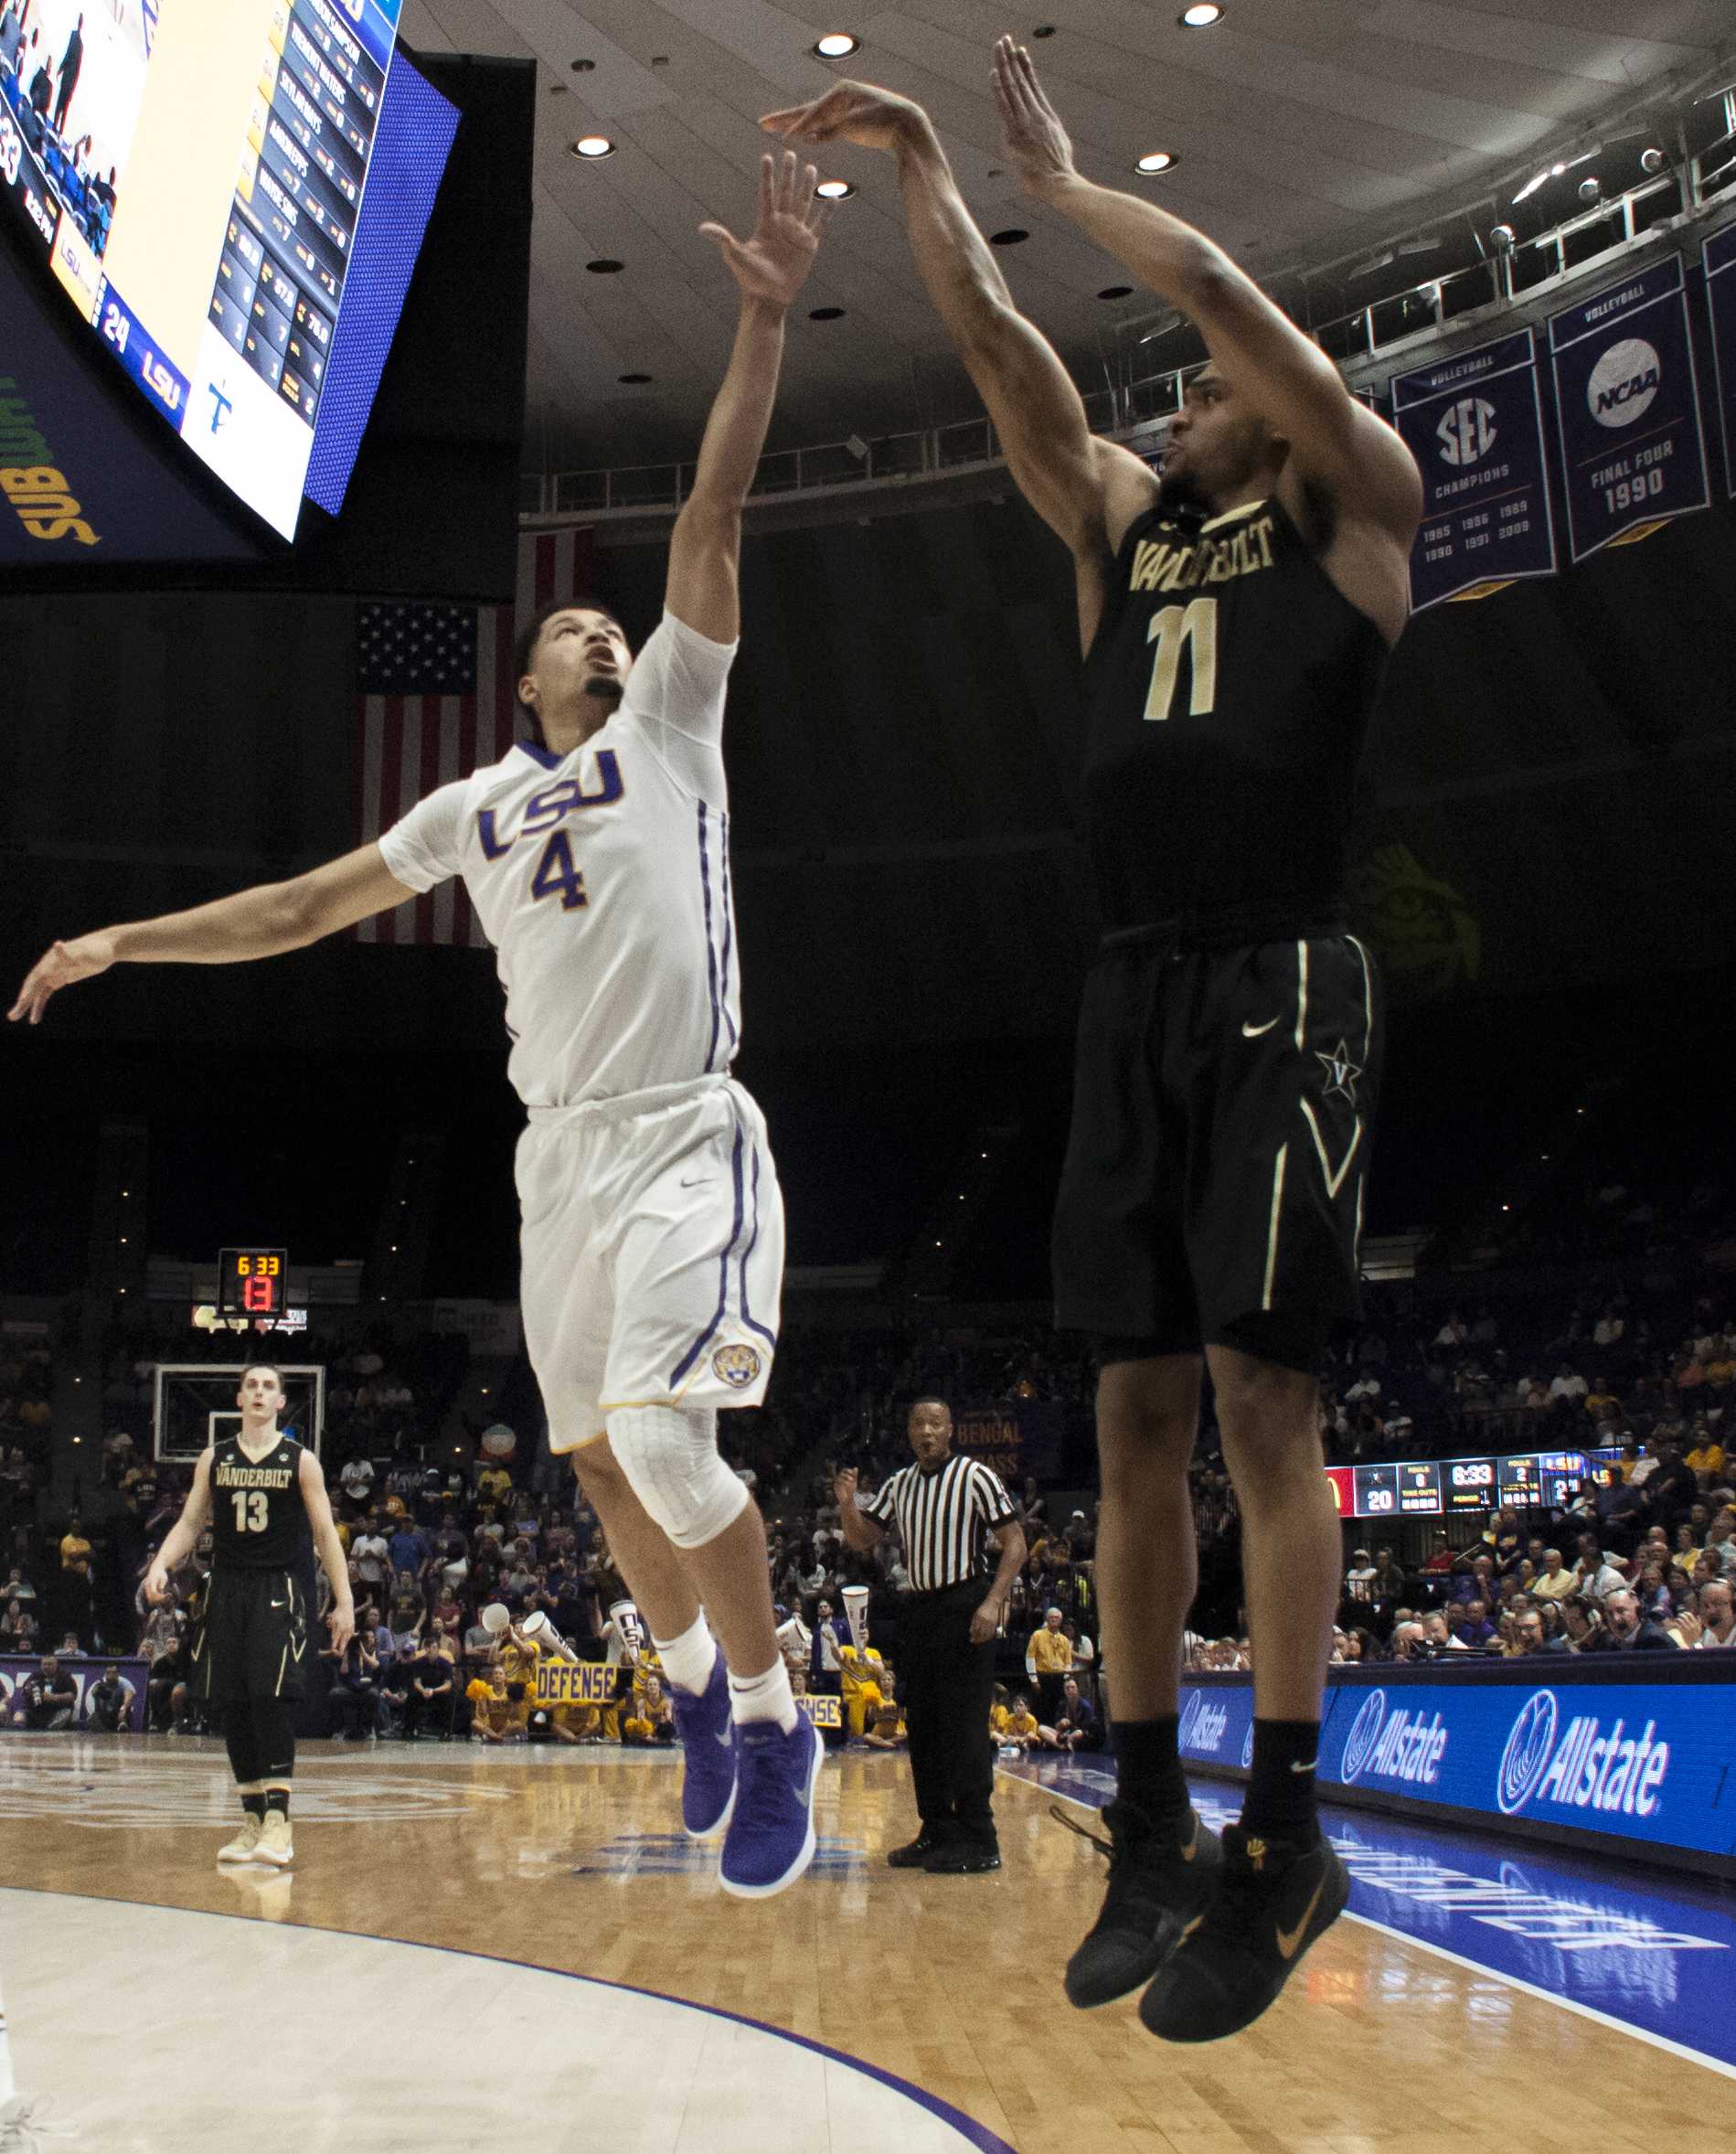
(1520, 1480)
(1420, 1489)
(1377, 1491)
(1438, 1488)
(1470, 1484)
(252, 1282)
(198, 193)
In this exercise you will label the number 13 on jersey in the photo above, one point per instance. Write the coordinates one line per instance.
(1193, 628)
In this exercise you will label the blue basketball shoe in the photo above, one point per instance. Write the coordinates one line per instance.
(771, 1837)
(706, 1729)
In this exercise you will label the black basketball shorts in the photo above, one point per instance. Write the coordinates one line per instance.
(1223, 1114)
(255, 1639)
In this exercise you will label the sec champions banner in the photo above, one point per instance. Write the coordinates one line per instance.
(1628, 402)
(1475, 424)
(1720, 258)
(1572, 1744)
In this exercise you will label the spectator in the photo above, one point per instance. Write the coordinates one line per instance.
(1629, 1631)
(1358, 1579)
(1554, 1581)
(47, 1699)
(1077, 1727)
(371, 1555)
(1713, 1628)
(1567, 1387)
(17, 1628)
(356, 1480)
(1020, 1732)
(1049, 1659)
(108, 1705)
(354, 1692)
(433, 1689)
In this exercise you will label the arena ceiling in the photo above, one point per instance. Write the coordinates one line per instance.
(1302, 129)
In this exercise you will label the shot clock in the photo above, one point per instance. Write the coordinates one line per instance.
(251, 1281)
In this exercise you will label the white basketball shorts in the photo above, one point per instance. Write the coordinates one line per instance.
(652, 1239)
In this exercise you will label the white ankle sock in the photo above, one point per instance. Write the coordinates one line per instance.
(689, 1660)
(766, 1697)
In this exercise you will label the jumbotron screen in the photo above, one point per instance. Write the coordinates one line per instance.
(198, 173)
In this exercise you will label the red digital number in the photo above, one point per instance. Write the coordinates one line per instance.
(259, 1296)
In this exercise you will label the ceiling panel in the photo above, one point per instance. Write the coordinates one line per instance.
(1306, 129)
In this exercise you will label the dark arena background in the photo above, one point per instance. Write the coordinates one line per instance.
(1514, 231)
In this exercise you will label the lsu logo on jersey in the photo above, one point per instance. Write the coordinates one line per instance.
(552, 805)
(737, 1366)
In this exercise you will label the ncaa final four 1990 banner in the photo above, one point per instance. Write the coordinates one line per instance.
(1475, 424)
(1628, 405)
(1720, 257)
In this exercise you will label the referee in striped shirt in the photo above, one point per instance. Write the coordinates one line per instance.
(944, 1510)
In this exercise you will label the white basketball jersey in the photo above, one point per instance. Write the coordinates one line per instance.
(602, 877)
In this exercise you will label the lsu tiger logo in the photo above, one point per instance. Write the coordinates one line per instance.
(737, 1366)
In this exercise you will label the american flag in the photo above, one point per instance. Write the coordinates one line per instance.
(435, 693)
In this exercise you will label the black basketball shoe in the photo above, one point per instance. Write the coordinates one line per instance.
(1160, 1877)
(913, 1853)
(1272, 1901)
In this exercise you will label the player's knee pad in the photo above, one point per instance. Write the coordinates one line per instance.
(671, 1463)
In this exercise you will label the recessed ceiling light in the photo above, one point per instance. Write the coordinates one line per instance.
(826, 314)
(603, 267)
(1155, 161)
(633, 377)
(1114, 292)
(1009, 238)
(593, 145)
(836, 190)
(1201, 15)
(557, 90)
(1044, 30)
(584, 67)
(836, 45)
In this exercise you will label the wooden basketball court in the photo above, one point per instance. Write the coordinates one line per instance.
(164, 2004)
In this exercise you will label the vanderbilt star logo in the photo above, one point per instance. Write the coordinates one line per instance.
(1341, 1071)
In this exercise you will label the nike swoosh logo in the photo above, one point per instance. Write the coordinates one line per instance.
(1253, 1031)
(1289, 1940)
(727, 1739)
(1309, 1767)
(280, 1604)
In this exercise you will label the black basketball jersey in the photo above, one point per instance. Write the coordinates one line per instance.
(259, 1521)
(1228, 694)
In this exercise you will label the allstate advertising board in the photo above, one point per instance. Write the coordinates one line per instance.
(1568, 1745)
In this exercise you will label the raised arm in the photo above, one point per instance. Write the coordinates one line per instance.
(262, 922)
(1335, 443)
(1086, 490)
(770, 267)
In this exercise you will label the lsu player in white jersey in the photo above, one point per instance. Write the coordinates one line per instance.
(597, 858)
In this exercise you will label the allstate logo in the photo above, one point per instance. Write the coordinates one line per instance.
(1203, 1724)
(1365, 1733)
(1529, 1746)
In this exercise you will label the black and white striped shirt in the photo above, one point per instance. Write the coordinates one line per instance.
(942, 1519)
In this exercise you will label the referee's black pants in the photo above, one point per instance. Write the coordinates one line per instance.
(947, 1685)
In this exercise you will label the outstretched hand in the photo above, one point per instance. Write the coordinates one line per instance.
(1037, 144)
(773, 264)
(58, 967)
(861, 112)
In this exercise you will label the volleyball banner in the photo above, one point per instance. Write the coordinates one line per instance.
(1627, 401)
(1720, 259)
(1475, 424)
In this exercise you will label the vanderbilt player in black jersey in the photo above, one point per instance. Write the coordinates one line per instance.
(1236, 620)
(260, 1492)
